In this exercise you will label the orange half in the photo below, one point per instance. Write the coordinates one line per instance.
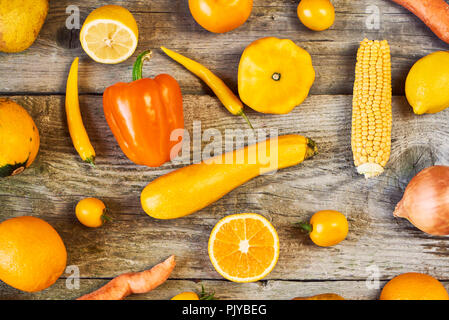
(244, 247)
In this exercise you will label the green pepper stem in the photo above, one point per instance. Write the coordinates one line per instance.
(105, 217)
(91, 161)
(305, 226)
(138, 65)
(241, 113)
(207, 295)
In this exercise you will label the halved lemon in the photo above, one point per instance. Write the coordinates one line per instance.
(109, 34)
(244, 247)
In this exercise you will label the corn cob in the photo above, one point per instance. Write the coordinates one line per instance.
(371, 108)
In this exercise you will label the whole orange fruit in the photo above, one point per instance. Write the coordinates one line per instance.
(32, 254)
(414, 286)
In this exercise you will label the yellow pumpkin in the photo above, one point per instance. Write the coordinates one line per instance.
(19, 138)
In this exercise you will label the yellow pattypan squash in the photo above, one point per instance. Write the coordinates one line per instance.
(275, 75)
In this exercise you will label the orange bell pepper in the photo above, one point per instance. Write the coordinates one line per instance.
(78, 133)
(143, 114)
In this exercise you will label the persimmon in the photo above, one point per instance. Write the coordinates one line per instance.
(91, 212)
(327, 228)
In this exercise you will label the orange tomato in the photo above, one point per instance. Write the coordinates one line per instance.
(327, 228)
(317, 15)
(220, 16)
(91, 212)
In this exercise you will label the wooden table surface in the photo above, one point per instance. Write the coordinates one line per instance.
(51, 187)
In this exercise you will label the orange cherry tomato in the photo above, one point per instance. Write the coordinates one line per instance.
(220, 16)
(91, 212)
(327, 228)
(317, 15)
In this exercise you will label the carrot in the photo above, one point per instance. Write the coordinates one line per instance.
(136, 282)
(434, 13)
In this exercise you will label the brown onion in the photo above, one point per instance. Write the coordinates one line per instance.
(426, 201)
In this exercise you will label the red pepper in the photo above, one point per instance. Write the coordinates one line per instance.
(143, 114)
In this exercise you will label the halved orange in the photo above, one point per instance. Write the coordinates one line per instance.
(109, 34)
(244, 247)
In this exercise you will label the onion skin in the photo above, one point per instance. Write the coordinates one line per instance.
(426, 201)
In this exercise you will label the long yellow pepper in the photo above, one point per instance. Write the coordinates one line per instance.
(78, 133)
(221, 90)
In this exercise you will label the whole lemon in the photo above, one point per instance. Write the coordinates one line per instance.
(20, 23)
(427, 83)
(414, 286)
(32, 254)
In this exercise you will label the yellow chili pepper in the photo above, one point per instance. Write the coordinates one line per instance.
(326, 228)
(221, 90)
(78, 133)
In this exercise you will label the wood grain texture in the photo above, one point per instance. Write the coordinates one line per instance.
(51, 187)
(169, 23)
(58, 179)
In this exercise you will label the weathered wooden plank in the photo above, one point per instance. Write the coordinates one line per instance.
(134, 241)
(44, 67)
(224, 290)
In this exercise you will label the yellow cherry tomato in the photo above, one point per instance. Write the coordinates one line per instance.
(327, 228)
(91, 212)
(186, 296)
(220, 16)
(317, 15)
